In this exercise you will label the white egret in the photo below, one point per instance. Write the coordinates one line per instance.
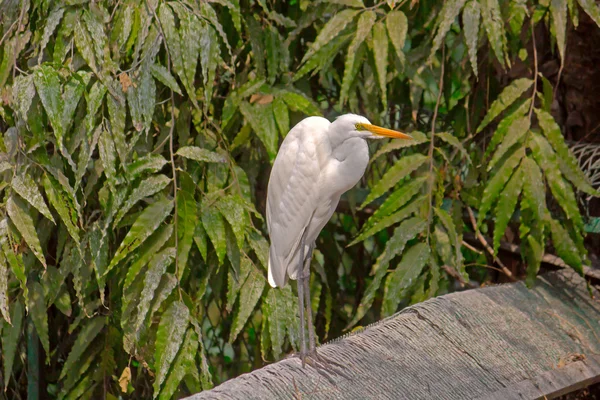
(318, 161)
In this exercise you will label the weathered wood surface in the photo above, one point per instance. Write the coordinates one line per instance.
(501, 342)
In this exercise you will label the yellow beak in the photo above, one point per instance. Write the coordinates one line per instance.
(377, 130)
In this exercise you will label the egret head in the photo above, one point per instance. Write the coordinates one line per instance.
(357, 125)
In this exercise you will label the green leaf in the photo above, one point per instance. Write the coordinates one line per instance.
(108, 156)
(4, 299)
(255, 34)
(565, 247)
(397, 199)
(250, 293)
(61, 203)
(506, 205)
(534, 190)
(23, 91)
(19, 215)
(117, 116)
(201, 241)
(143, 227)
(446, 18)
(37, 311)
(349, 3)
(365, 23)
(187, 219)
(141, 100)
(282, 116)
(505, 124)
(199, 154)
(322, 57)
(567, 162)
(397, 26)
(299, 102)
(383, 223)
(183, 364)
(261, 119)
(24, 185)
(546, 159)
(145, 188)
(10, 340)
(403, 167)
(493, 23)
(332, 29)
(164, 76)
(47, 82)
(380, 53)
(83, 340)
(418, 138)
(209, 59)
(52, 22)
(272, 41)
(156, 269)
(406, 231)
(496, 184)
(215, 228)
(148, 163)
(508, 96)
(591, 8)
(260, 247)
(559, 17)
(401, 279)
(169, 338)
(281, 308)
(455, 238)
(235, 283)
(232, 208)
(453, 141)
(470, 17)
(516, 132)
(15, 260)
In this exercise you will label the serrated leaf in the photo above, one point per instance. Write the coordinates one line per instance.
(213, 223)
(24, 185)
(559, 18)
(454, 237)
(200, 154)
(169, 339)
(505, 124)
(508, 96)
(117, 116)
(299, 102)
(591, 8)
(144, 226)
(349, 3)
(60, 201)
(10, 340)
(470, 17)
(272, 42)
(148, 163)
(4, 300)
(156, 269)
(23, 91)
(493, 23)
(394, 246)
(516, 132)
(37, 311)
(506, 205)
(187, 219)
(141, 100)
(417, 138)
(261, 119)
(403, 167)
(380, 53)
(547, 160)
(280, 307)
(164, 76)
(534, 190)
(496, 184)
(332, 29)
(446, 18)
(565, 247)
(47, 82)
(52, 22)
(260, 247)
(402, 278)
(453, 141)
(397, 199)
(235, 283)
(282, 116)
(383, 223)
(232, 208)
(567, 162)
(322, 57)
(108, 155)
(397, 26)
(250, 293)
(83, 340)
(183, 364)
(201, 241)
(19, 215)
(365, 23)
(145, 188)
(209, 59)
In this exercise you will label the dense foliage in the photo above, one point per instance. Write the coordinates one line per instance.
(136, 143)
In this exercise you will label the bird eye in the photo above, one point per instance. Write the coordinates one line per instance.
(360, 127)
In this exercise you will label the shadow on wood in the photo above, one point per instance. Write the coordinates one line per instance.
(501, 342)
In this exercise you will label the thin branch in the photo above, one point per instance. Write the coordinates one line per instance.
(486, 245)
(432, 142)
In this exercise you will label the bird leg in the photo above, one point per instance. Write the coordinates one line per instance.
(301, 302)
(311, 328)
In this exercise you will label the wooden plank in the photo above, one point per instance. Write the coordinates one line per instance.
(493, 341)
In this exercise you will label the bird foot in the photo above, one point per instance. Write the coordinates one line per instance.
(321, 363)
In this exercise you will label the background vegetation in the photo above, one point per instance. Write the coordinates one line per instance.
(137, 138)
